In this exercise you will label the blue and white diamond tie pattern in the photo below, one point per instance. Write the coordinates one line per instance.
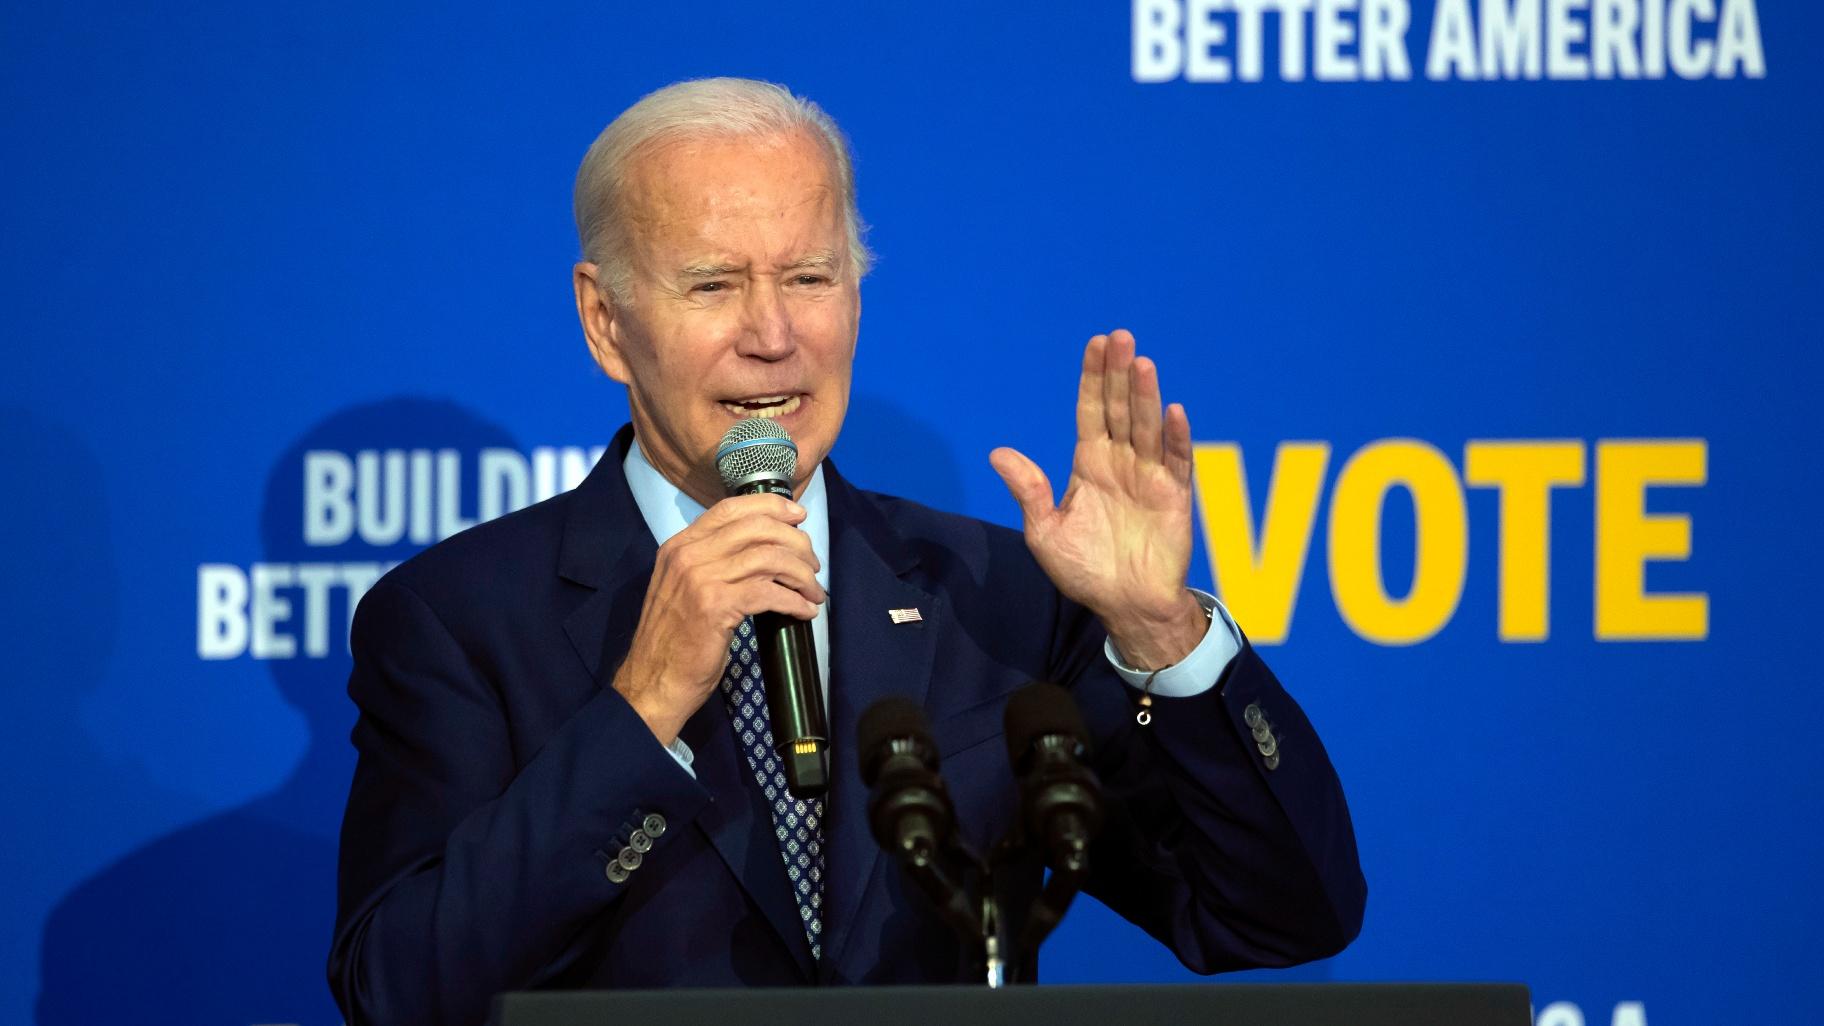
(797, 824)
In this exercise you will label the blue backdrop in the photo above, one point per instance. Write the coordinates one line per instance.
(238, 235)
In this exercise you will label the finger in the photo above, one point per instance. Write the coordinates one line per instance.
(1116, 372)
(1179, 456)
(771, 563)
(769, 597)
(730, 540)
(748, 510)
(1027, 483)
(1091, 422)
(1147, 417)
(737, 507)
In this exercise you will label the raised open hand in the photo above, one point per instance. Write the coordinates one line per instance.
(1119, 542)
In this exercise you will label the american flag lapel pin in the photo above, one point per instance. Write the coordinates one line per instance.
(905, 615)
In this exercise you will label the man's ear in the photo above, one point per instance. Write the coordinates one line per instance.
(597, 311)
(857, 328)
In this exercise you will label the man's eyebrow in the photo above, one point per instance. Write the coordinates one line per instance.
(822, 259)
(707, 270)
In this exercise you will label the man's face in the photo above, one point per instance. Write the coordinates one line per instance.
(742, 302)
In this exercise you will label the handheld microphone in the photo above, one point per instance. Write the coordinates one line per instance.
(757, 455)
(1060, 798)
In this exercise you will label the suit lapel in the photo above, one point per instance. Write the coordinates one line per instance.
(608, 547)
(740, 825)
(871, 657)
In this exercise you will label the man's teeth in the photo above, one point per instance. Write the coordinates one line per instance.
(765, 406)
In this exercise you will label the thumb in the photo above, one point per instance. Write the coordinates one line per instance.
(1029, 485)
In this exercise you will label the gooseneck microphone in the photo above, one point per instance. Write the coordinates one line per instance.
(1060, 801)
(910, 809)
(914, 820)
(1060, 798)
(912, 817)
(757, 455)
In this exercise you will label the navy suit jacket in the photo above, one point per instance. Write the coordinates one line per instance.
(499, 772)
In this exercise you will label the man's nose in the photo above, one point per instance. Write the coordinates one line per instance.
(767, 328)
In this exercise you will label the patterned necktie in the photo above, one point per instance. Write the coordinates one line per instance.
(797, 824)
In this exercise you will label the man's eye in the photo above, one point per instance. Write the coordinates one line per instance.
(710, 286)
(810, 279)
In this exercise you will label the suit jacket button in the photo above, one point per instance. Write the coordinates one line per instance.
(1269, 747)
(1251, 715)
(1272, 762)
(617, 873)
(654, 825)
(629, 860)
(640, 842)
(1262, 732)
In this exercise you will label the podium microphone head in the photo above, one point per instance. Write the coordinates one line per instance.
(909, 808)
(1042, 710)
(892, 726)
(1060, 798)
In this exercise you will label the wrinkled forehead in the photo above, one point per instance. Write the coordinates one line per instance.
(725, 189)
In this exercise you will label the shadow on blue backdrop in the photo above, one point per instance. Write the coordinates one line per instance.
(61, 608)
(227, 921)
(885, 447)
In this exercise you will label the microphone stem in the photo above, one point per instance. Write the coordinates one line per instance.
(1047, 912)
(991, 940)
(948, 895)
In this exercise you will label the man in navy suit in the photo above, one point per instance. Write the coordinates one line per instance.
(553, 787)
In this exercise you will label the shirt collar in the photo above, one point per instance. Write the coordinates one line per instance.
(667, 510)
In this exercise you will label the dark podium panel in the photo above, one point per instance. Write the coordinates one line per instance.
(1215, 1004)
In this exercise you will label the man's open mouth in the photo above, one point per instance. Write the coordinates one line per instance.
(763, 406)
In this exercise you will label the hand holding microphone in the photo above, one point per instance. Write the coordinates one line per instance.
(757, 457)
(745, 556)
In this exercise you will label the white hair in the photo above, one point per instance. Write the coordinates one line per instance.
(701, 108)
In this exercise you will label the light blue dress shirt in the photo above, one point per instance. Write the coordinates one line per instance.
(667, 510)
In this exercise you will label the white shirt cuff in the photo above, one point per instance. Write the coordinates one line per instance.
(1197, 672)
(681, 752)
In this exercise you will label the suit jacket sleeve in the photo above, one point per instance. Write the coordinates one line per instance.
(468, 868)
(1231, 858)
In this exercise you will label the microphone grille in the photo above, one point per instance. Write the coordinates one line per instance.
(888, 720)
(755, 447)
(1039, 709)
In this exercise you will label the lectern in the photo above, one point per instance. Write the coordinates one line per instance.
(1210, 1004)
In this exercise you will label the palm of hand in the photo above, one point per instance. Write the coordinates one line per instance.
(1121, 537)
(1120, 541)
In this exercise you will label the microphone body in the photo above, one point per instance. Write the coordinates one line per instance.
(913, 818)
(794, 701)
(1063, 805)
(910, 811)
(1060, 798)
(757, 456)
